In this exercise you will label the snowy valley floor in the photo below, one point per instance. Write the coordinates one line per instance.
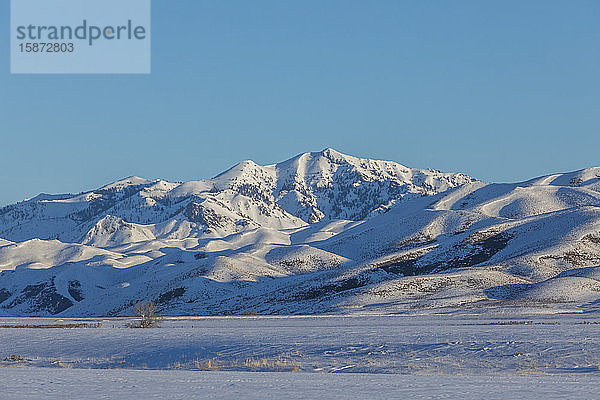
(553, 356)
(43, 383)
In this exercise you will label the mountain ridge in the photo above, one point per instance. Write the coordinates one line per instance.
(245, 195)
(321, 232)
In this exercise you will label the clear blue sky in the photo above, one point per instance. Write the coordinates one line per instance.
(501, 90)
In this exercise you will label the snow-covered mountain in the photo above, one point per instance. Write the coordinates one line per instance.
(305, 189)
(321, 232)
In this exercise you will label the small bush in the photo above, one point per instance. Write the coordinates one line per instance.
(147, 312)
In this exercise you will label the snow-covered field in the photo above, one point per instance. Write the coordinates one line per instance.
(336, 357)
(38, 383)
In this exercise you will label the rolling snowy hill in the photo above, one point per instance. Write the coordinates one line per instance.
(320, 233)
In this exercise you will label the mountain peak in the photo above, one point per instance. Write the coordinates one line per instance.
(330, 152)
(129, 181)
(239, 170)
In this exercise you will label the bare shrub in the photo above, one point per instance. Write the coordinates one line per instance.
(147, 312)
